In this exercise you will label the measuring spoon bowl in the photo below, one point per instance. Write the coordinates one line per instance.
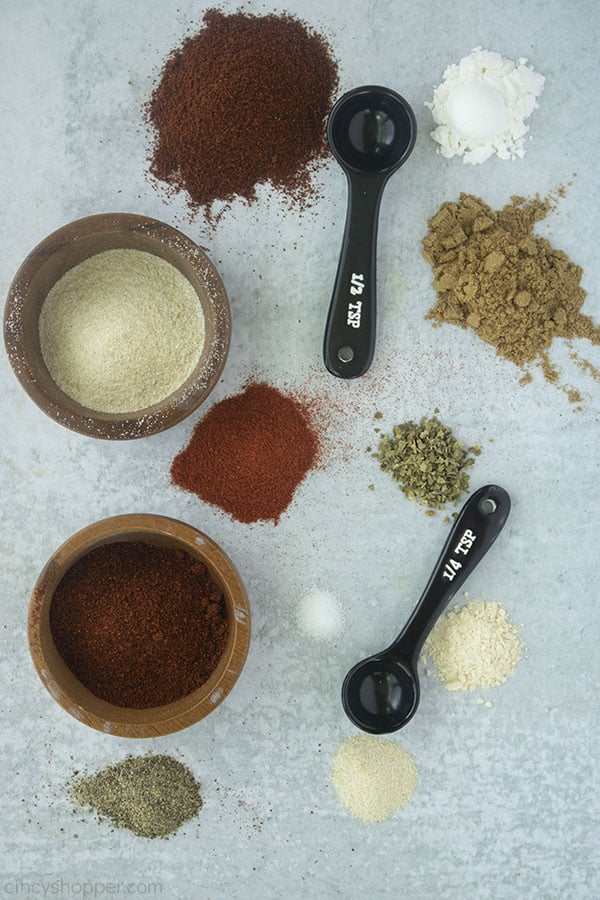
(371, 131)
(381, 693)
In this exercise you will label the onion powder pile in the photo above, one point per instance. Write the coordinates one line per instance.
(373, 777)
(121, 331)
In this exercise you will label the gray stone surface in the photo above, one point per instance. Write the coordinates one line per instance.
(507, 806)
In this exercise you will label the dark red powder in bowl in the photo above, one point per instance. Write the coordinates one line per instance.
(139, 625)
(249, 454)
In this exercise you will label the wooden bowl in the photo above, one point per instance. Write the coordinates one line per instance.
(72, 695)
(66, 248)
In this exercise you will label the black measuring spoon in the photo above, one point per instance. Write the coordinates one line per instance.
(371, 131)
(381, 693)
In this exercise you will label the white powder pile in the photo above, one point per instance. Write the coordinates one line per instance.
(474, 646)
(121, 331)
(373, 777)
(481, 106)
(320, 614)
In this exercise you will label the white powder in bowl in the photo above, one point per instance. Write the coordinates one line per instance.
(373, 777)
(481, 106)
(121, 331)
(474, 646)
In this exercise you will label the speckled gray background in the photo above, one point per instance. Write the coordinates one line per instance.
(507, 806)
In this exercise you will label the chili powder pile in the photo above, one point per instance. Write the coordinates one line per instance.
(139, 625)
(242, 103)
(249, 454)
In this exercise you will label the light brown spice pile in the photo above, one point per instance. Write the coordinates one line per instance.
(492, 274)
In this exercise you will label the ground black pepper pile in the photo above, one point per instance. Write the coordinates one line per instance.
(149, 795)
(242, 103)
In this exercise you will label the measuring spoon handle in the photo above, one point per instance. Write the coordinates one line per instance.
(351, 322)
(477, 526)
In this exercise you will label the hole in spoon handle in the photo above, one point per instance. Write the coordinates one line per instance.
(351, 322)
(477, 526)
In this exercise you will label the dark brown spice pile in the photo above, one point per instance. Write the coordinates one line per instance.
(139, 625)
(243, 103)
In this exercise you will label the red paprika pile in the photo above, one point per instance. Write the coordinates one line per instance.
(249, 454)
(242, 103)
(139, 625)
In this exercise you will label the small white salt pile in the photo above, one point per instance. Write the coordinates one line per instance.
(481, 106)
(320, 615)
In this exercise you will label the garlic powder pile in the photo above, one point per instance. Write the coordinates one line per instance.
(481, 106)
(474, 646)
(373, 777)
(121, 331)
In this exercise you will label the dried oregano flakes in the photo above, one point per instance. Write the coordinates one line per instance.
(430, 465)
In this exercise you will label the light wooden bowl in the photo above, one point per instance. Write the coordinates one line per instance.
(66, 248)
(72, 695)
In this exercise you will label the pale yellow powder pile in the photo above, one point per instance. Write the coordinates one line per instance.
(121, 331)
(373, 777)
(474, 646)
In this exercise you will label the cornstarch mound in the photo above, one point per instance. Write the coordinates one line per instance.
(481, 106)
(474, 646)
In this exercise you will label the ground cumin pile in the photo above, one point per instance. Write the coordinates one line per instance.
(492, 274)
